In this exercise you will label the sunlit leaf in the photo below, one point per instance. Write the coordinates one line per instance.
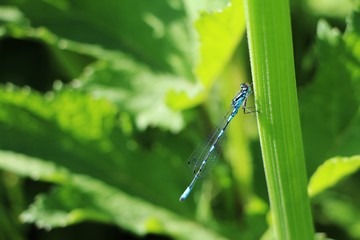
(163, 49)
(130, 86)
(219, 34)
(331, 8)
(80, 133)
(321, 236)
(331, 172)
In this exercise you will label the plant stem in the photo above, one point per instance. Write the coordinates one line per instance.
(272, 64)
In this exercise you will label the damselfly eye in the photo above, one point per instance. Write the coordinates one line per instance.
(244, 86)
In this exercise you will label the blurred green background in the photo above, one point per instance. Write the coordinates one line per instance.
(102, 103)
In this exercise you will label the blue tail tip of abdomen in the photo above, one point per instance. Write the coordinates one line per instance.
(185, 194)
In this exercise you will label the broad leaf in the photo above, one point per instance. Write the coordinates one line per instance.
(219, 34)
(330, 105)
(331, 172)
(84, 198)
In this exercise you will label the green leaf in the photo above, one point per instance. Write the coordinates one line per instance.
(84, 198)
(80, 133)
(129, 86)
(20, 105)
(331, 8)
(219, 34)
(268, 235)
(321, 236)
(150, 33)
(331, 172)
(10, 15)
(36, 169)
(85, 136)
(156, 60)
(330, 104)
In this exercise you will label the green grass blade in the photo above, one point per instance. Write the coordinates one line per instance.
(272, 63)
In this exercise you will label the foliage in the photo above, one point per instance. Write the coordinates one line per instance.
(335, 111)
(330, 122)
(105, 102)
(337, 168)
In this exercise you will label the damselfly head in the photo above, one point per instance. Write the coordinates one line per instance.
(244, 85)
